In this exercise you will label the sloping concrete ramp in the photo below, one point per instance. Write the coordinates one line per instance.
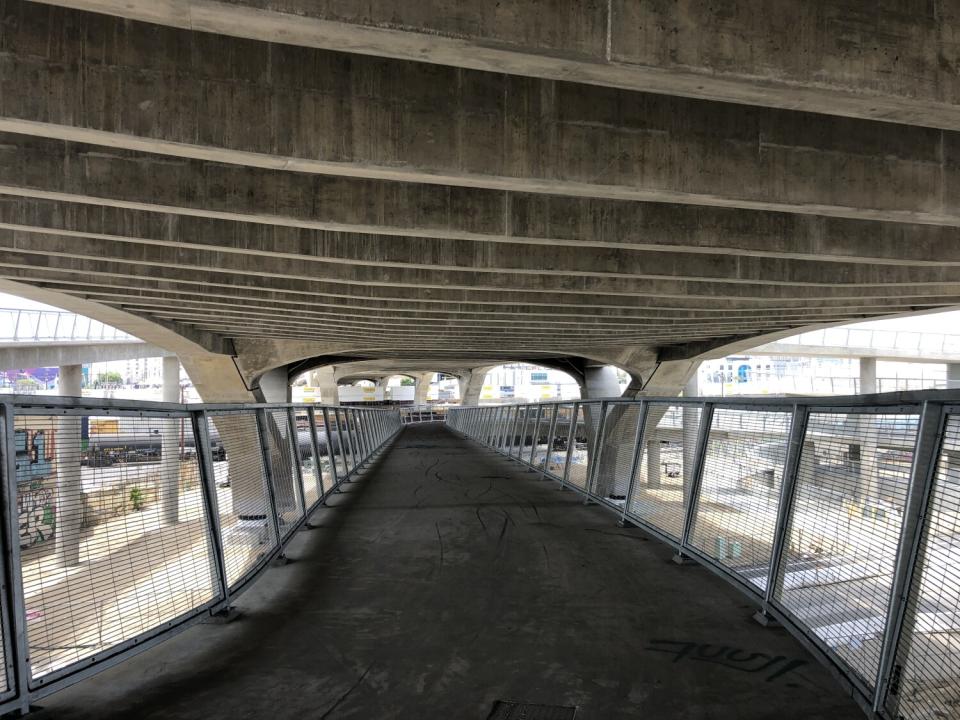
(445, 580)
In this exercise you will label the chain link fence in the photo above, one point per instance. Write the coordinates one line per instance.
(841, 519)
(125, 522)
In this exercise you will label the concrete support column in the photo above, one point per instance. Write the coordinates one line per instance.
(953, 375)
(275, 386)
(325, 381)
(170, 446)
(422, 388)
(690, 430)
(69, 479)
(471, 385)
(868, 376)
(599, 383)
(670, 377)
(653, 462)
(863, 455)
(603, 382)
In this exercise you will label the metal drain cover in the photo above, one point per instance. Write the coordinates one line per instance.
(504, 710)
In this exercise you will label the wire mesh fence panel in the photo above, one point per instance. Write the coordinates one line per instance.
(334, 442)
(310, 466)
(243, 500)
(844, 528)
(736, 514)
(661, 489)
(356, 443)
(494, 430)
(493, 425)
(579, 447)
(479, 430)
(114, 537)
(286, 484)
(490, 426)
(560, 444)
(517, 433)
(615, 457)
(541, 446)
(325, 466)
(529, 434)
(344, 440)
(929, 655)
(360, 433)
(506, 424)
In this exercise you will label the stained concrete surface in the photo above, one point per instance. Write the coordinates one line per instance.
(447, 578)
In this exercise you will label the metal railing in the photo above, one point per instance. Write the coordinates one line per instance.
(56, 326)
(839, 518)
(422, 413)
(125, 522)
(772, 384)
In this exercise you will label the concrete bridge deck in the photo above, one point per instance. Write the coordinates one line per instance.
(446, 579)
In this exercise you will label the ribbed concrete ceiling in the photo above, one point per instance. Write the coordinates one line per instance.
(234, 190)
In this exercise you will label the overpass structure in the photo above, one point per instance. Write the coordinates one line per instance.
(50, 338)
(895, 345)
(280, 186)
(271, 187)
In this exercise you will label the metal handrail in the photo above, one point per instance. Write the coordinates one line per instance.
(762, 462)
(299, 455)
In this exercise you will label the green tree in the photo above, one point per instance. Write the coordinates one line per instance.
(111, 377)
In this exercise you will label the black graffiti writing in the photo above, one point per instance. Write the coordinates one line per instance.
(775, 666)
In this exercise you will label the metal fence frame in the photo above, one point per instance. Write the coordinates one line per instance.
(364, 432)
(494, 427)
(411, 414)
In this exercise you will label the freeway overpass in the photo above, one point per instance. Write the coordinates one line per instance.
(50, 338)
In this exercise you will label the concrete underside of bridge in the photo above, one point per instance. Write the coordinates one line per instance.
(263, 184)
(446, 579)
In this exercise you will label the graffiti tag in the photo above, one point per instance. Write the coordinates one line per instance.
(35, 516)
(776, 666)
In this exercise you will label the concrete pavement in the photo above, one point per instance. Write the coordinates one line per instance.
(446, 579)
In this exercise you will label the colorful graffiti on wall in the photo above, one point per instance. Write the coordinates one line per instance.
(36, 504)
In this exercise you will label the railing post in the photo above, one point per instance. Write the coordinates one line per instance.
(315, 446)
(571, 444)
(696, 475)
(535, 434)
(263, 428)
(594, 453)
(364, 429)
(358, 434)
(15, 617)
(791, 466)
(639, 440)
(208, 484)
(512, 432)
(353, 428)
(345, 441)
(551, 432)
(370, 423)
(297, 460)
(922, 474)
(333, 457)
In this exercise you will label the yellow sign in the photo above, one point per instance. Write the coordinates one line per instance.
(104, 427)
